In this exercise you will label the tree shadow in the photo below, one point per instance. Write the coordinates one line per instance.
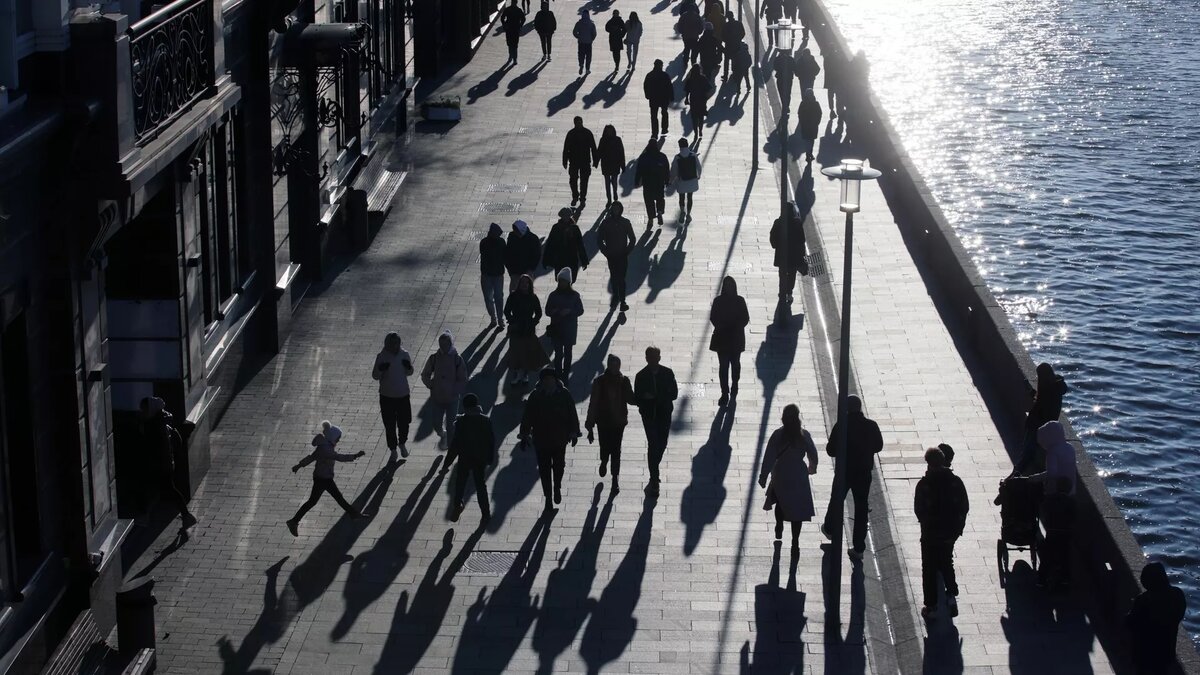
(565, 605)
(665, 268)
(1044, 631)
(564, 98)
(489, 84)
(525, 79)
(702, 499)
(779, 622)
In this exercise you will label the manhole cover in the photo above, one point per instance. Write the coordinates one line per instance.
(489, 563)
(535, 131)
(498, 207)
(730, 221)
(508, 187)
(816, 265)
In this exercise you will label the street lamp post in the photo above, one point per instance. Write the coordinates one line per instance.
(784, 34)
(851, 173)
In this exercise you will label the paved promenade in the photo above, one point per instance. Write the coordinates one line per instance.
(688, 582)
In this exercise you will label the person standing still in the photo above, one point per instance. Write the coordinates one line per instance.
(784, 461)
(474, 448)
(1153, 621)
(585, 35)
(608, 409)
(445, 374)
(522, 253)
(325, 456)
(633, 39)
(863, 442)
(512, 19)
(564, 307)
(392, 368)
(616, 241)
(545, 24)
(685, 176)
(660, 92)
(790, 259)
(491, 274)
(578, 155)
(550, 422)
(610, 157)
(616, 37)
(653, 172)
(941, 506)
(564, 245)
(729, 318)
(655, 391)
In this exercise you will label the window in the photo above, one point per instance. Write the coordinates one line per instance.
(20, 518)
(224, 255)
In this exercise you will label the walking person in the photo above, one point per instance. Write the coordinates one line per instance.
(733, 37)
(550, 422)
(1153, 621)
(660, 92)
(832, 58)
(742, 62)
(474, 448)
(585, 35)
(564, 307)
(772, 11)
(691, 27)
(941, 506)
(655, 391)
(512, 19)
(714, 14)
(392, 368)
(729, 317)
(685, 176)
(445, 374)
(616, 241)
(653, 172)
(789, 459)
(578, 155)
(615, 27)
(791, 10)
(564, 245)
(523, 310)
(809, 118)
(608, 411)
(863, 442)
(545, 24)
(610, 157)
(807, 68)
(324, 457)
(1045, 406)
(790, 259)
(522, 253)
(710, 53)
(491, 274)
(696, 90)
(633, 39)
(784, 66)
(163, 443)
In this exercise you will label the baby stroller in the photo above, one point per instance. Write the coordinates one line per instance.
(1018, 499)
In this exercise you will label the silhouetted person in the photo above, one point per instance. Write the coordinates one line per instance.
(523, 310)
(710, 52)
(791, 10)
(733, 38)
(784, 66)
(807, 68)
(445, 374)
(832, 57)
(685, 176)
(392, 368)
(729, 318)
(809, 117)
(772, 10)
(1046, 406)
(610, 157)
(585, 35)
(545, 24)
(714, 14)
(491, 274)
(742, 61)
(691, 27)
(608, 410)
(653, 171)
(163, 443)
(563, 308)
(324, 456)
(616, 241)
(578, 155)
(941, 506)
(474, 448)
(863, 442)
(655, 390)
(696, 89)
(512, 19)
(660, 92)
(1057, 515)
(615, 27)
(688, 7)
(564, 245)
(784, 460)
(1153, 621)
(633, 39)
(789, 259)
(522, 253)
(550, 422)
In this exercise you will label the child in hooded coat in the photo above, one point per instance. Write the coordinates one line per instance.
(325, 457)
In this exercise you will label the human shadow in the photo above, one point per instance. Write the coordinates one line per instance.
(564, 98)
(495, 626)
(943, 650)
(833, 146)
(1041, 626)
(525, 79)
(612, 625)
(639, 260)
(308, 581)
(666, 267)
(417, 620)
(609, 90)
(660, 7)
(702, 499)
(805, 194)
(590, 363)
(181, 538)
(488, 84)
(773, 144)
(779, 623)
(565, 605)
(727, 108)
(843, 653)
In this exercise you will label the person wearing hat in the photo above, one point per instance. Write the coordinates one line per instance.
(608, 409)
(324, 457)
(564, 245)
(445, 374)
(522, 253)
(491, 274)
(564, 307)
(474, 448)
(550, 422)
(655, 391)
(392, 368)
(616, 241)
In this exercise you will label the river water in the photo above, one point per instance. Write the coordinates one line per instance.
(1062, 139)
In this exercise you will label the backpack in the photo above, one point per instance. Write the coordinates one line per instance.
(687, 167)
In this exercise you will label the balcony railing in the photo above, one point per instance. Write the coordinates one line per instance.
(172, 60)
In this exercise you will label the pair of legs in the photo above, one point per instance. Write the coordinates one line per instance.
(631, 53)
(617, 57)
(585, 57)
(170, 489)
(779, 528)
(493, 297)
(657, 111)
(1054, 558)
(461, 475)
(698, 113)
(729, 363)
(658, 428)
(610, 450)
(612, 187)
(512, 39)
(397, 415)
(550, 461)
(937, 557)
(691, 49)
(618, 268)
(445, 415)
(809, 144)
(579, 175)
(861, 488)
(685, 203)
(319, 486)
(656, 202)
(787, 283)
(545, 39)
(562, 359)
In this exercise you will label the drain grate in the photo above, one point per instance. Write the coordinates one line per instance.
(489, 563)
(816, 265)
(508, 187)
(731, 221)
(535, 131)
(498, 207)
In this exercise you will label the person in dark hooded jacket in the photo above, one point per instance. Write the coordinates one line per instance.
(474, 448)
(564, 246)
(491, 273)
(545, 24)
(616, 241)
(809, 117)
(653, 172)
(660, 92)
(729, 318)
(863, 442)
(789, 248)
(1153, 621)
(578, 157)
(522, 253)
(523, 311)
(784, 66)
(941, 506)
(563, 308)
(1046, 406)
(550, 422)
(807, 68)
(512, 19)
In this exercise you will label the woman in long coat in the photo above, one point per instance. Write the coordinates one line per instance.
(729, 318)
(790, 492)
(523, 311)
(564, 307)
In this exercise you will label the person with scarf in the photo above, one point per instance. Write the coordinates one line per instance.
(445, 375)
(616, 241)
(729, 318)
(491, 274)
(522, 253)
(323, 458)
(564, 245)
(608, 411)
(564, 307)
(685, 175)
(392, 368)
(523, 310)
(789, 459)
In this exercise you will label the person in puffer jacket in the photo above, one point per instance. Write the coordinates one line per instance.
(445, 374)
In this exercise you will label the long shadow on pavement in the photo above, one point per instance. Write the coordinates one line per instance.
(703, 498)
(1045, 631)
(667, 266)
(525, 79)
(779, 623)
(564, 98)
(488, 84)
(844, 654)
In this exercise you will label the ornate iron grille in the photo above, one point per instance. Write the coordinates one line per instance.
(171, 52)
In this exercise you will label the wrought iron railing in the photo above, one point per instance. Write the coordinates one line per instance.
(172, 59)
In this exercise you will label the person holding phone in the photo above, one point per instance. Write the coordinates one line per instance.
(393, 365)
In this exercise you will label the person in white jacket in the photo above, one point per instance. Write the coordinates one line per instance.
(445, 374)
(392, 368)
(685, 176)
